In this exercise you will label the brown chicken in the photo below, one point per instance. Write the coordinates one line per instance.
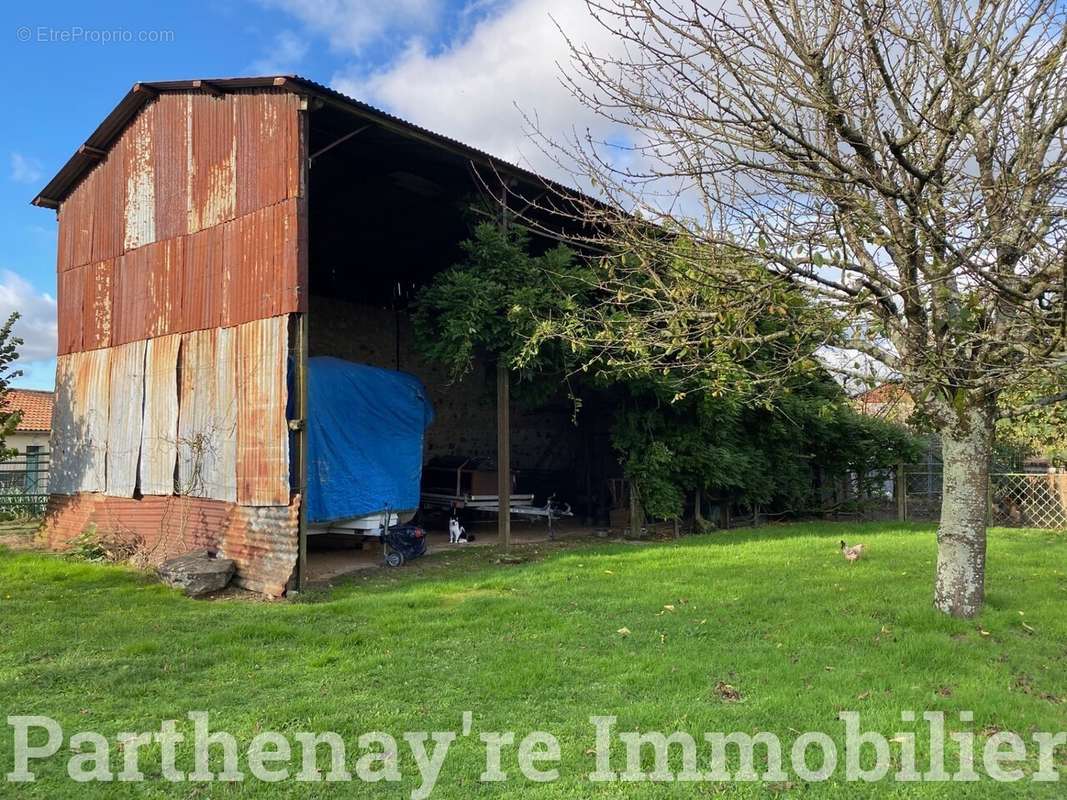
(853, 553)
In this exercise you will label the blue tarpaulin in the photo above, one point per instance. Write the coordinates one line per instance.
(364, 438)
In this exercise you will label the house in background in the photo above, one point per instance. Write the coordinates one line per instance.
(24, 476)
(35, 427)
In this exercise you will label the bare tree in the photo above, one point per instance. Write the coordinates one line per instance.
(902, 162)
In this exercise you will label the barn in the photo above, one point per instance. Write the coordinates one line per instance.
(213, 236)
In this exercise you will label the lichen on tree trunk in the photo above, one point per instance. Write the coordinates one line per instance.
(966, 446)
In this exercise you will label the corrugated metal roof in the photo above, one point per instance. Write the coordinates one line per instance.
(106, 134)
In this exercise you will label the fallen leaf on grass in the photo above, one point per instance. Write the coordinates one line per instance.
(668, 608)
(863, 695)
(623, 631)
(1028, 628)
(983, 632)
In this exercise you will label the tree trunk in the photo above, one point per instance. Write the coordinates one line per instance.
(961, 537)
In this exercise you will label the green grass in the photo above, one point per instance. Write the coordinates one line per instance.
(774, 612)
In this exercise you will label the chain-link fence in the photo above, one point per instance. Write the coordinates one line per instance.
(1016, 499)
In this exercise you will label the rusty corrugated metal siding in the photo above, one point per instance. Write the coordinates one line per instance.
(262, 433)
(213, 161)
(80, 422)
(70, 289)
(130, 297)
(207, 423)
(183, 241)
(140, 197)
(125, 417)
(159, 437)
(263, 543)
(161, 237)
(96, 308)
(171, 137)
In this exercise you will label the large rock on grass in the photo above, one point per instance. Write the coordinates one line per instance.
(197, 573)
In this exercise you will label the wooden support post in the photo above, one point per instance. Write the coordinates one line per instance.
(902, 493)
(636, 515)
(503, 453)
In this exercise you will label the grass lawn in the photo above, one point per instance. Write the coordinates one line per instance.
(775, 613)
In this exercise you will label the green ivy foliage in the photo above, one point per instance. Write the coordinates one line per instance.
(550, 317)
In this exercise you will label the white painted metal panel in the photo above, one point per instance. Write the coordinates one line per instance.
(159, 437)
(64, 445)
(207, 421)
(140, 211)
(124, 420)
(80, 422)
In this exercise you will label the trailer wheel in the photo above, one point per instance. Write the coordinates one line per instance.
(394, 559)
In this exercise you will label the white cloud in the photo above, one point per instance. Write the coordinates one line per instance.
(478, 89)
(351, 24)
(25, 169)
(37, 325)
(283, 57)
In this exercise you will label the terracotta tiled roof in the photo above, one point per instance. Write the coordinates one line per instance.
(36, 408)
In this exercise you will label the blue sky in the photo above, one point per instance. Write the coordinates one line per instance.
(469, 68)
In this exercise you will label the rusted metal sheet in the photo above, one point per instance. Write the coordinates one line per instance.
(96, 309)
(262, 541)
(159, 436)
(80, 422)
(125, 418)
(64, 437)
(165, 267)
(212, 165)
(263, 544)
(169, 193)
(268, 166)
(261, 271)
(70, 287)
(207, 421)
(92, 389)
(262, 431)
(202, 280)
(139, 213)
(108, 198)
(171, 141)
(130, 297)
(65, 237)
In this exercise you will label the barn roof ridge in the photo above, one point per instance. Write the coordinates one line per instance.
(143, 92)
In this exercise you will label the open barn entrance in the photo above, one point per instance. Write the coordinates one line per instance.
(388, 209)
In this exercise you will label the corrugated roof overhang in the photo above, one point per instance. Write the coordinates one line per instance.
(98, 144)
